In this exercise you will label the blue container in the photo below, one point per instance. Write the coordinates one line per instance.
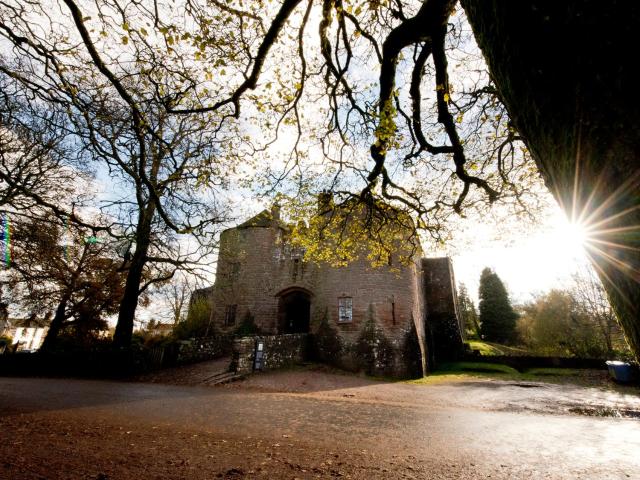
(622, 372)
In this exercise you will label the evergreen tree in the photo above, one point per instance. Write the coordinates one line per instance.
(327, 346)
(497, 316)
(248, 326)
(468, 313)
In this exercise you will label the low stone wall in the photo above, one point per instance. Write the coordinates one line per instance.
(279, 351)
(201, 349)
(523, 363)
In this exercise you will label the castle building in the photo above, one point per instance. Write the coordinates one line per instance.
(263, 276)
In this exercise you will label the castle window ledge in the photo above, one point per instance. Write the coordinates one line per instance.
(345, 310)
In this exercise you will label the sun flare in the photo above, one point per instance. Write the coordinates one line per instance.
(573, 235)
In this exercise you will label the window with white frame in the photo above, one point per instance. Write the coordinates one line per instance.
(345, 309)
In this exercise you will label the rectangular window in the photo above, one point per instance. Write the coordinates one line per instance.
(345, 309)
(393, 311)
(231, 271)
(230, 315)
(296, 267)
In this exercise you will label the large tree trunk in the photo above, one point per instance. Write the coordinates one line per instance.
(56, 325)
(129, 302)
(565, 71)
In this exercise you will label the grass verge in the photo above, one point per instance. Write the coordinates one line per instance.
(466, 371)
(488, 349)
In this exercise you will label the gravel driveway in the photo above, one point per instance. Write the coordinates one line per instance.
(324, 427)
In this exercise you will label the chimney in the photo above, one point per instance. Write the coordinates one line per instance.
(275, 212)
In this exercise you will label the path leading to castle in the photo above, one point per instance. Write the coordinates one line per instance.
(79, 429)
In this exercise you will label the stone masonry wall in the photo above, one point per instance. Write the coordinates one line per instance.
(256, 266)
(391, 295)
(200, 349)
(279, 351)
(253, 268)
(445, 334)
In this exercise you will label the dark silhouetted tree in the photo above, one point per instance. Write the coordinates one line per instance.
(66, 275)
(497, 316)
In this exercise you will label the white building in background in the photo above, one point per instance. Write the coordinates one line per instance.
(28, 339)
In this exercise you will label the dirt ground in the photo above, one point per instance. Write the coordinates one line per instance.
(590, 392)
(72, 448)
(312, 423)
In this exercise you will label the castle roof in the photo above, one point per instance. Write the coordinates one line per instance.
(263, 219)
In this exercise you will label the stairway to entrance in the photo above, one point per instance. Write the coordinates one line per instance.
(212, 372)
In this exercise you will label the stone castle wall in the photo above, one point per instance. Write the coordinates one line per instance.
(391, 294)
(443, 321)
(252, 270)
(256, 265)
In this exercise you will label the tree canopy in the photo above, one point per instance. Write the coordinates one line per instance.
(560, 322)
(67, 275)
(386, 93)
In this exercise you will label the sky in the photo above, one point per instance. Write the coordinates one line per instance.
(529, 262)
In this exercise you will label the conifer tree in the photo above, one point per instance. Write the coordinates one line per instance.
(497, 316)
(468, 313)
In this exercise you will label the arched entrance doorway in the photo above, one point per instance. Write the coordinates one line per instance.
(294, 311)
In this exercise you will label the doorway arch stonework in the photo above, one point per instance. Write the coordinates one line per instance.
(294, 310)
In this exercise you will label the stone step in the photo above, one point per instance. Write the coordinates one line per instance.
(223, 377)
(217, 374)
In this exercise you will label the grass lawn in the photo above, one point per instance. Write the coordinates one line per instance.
(466, 371)
(488, 349)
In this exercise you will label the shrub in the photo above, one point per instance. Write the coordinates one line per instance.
(412, 354)
(68, 340)
(327, 346)
(553, 324)
(151, 339)
(198, 322)
(374, 351)
(6, 343)
(248, 326)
